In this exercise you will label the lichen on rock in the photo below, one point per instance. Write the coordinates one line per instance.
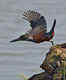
(54, 64)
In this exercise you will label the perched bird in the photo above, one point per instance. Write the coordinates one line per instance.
(38, 33)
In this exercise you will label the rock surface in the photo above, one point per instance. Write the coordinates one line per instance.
(54, 64)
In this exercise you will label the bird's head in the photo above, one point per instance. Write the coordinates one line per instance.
(42, 17)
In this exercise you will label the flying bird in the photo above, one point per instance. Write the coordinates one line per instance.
(38, 32)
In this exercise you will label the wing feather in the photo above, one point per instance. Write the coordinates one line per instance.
(35, 19)
(31, 15)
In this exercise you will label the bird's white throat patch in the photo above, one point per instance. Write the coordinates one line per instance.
(30, 37)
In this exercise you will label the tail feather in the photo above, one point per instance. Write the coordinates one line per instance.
(54, 23)
(52, 29)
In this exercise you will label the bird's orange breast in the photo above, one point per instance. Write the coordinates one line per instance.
(39, 37)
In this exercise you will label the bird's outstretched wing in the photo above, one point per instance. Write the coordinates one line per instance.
(35, 19)
(31, 15)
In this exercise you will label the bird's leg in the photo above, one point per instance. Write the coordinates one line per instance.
(52, 42)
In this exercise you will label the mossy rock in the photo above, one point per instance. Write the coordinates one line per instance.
(41, 76)
(54, 64)
(55, 61)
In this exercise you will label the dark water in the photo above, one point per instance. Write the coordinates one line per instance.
(26, 57)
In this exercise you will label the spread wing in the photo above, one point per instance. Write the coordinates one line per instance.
(35, 19)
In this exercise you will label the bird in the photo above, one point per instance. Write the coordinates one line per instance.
(38, 32)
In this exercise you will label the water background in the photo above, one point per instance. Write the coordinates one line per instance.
(25, 57)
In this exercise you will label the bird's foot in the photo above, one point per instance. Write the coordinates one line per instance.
(52, 42)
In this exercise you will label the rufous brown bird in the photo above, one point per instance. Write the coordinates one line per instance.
(38, 33)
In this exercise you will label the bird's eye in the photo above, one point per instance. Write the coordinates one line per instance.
(42, 17)
(31, 21)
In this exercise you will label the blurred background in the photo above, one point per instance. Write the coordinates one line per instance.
(25, 57)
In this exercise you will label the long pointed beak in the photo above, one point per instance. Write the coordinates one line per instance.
(18, 39)
(21, 38)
